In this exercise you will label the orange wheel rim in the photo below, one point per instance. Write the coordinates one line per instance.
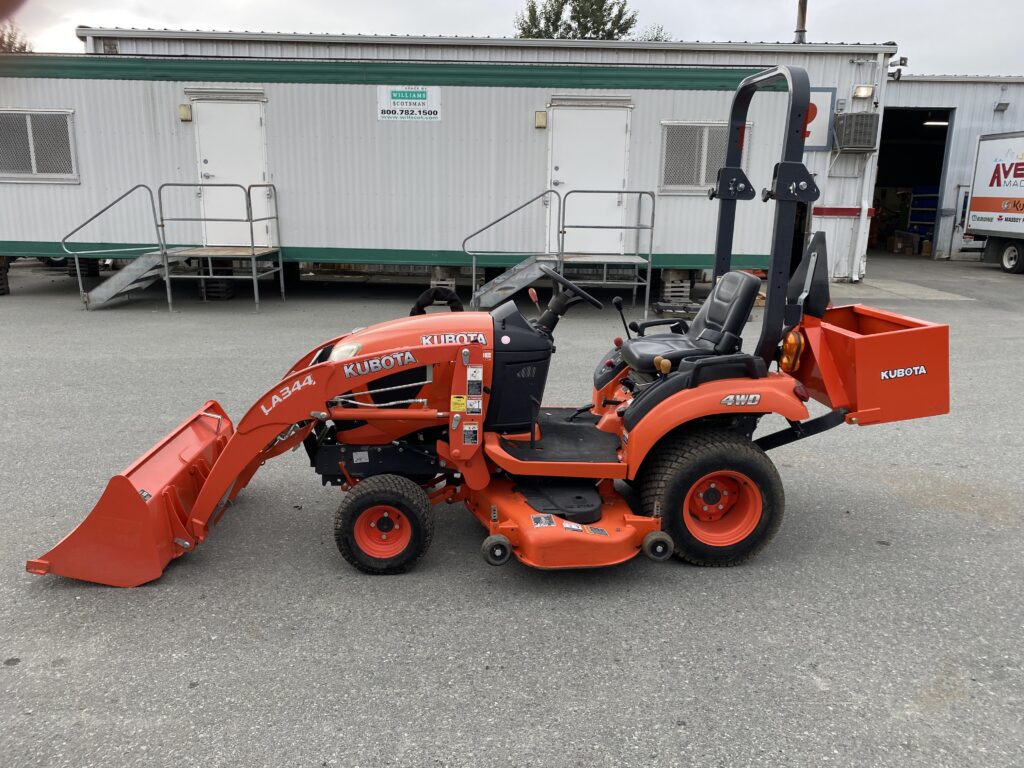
(722, 508)
(382, 531)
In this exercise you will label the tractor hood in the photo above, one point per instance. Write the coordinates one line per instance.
(418, 331)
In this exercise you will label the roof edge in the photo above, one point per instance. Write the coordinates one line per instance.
(84, 32)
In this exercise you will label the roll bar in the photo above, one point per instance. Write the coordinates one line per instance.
(792, 184)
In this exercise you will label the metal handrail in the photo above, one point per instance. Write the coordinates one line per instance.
(638, 228)
(249, 219)
(157, 227)
(474, 254)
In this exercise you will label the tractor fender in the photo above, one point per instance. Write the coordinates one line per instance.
(773, 394)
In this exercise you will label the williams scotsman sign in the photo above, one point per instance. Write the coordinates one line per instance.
(409, 102)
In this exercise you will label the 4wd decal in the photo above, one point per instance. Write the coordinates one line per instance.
(382, 363)
(453, 338)
(902, 373)
(284, 393)
(753, 399)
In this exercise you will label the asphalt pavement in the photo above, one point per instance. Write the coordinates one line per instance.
(884, 625)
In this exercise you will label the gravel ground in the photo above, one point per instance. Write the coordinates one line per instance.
(883, 625)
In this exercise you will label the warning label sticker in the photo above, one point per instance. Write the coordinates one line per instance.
(571, 526)
(474, 405)
(543, 521)
(470, 434)
(475, 380)
(458, 403)
(596, 531)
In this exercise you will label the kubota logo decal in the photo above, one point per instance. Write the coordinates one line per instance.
(382, 363)
(902, 373)
(453, 338)
(284, 393)
(753, 399)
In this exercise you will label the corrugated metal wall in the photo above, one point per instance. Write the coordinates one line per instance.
(973, 101)
(347, 180)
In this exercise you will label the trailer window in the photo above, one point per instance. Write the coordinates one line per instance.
(37, 145)
(691, 154)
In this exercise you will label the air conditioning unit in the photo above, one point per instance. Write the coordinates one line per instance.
(856, 131)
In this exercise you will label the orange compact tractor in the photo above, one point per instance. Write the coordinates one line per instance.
(447, 407)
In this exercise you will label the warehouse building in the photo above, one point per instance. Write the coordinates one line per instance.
(929, 139)
(391, 150)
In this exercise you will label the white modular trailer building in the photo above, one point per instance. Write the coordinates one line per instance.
(390, 150)
(972, 106)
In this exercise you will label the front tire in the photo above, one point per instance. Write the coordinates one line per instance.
(718, 495)
(384, 524)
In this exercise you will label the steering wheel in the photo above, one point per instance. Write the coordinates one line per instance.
(571, 286)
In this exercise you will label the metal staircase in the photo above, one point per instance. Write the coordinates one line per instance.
(155, 260)
(589, 265)
(140, 273)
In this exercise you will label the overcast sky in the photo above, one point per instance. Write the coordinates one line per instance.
(939, 36)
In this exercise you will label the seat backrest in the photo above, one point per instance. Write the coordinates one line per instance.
(724, 312)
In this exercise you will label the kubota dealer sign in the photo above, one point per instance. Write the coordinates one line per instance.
(997, 195)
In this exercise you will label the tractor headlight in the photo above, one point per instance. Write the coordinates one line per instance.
(344, 351)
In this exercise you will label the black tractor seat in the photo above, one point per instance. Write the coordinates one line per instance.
(714, 331)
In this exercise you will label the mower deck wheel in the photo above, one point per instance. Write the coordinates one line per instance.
(496, 550)
(384, 524)
(657, 546)
(718, 494)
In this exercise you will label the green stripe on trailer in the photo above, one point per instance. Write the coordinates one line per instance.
(225, 70)
(389, 256)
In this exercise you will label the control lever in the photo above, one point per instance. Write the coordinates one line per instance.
(617, 303)
(536, 301)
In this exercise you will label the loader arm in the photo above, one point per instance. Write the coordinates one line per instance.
(164, 504)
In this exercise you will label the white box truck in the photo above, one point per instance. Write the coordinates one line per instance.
(996, 208)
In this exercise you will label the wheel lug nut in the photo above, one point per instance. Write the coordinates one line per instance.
(705, 507)
(720, 506)
(712, 485)
(383, 537)
(373, 525)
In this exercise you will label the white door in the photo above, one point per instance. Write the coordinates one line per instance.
(231, 148)
(589, 148)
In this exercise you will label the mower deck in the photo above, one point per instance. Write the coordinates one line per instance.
(545, 540)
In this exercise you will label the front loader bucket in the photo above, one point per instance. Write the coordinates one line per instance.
(140, 522)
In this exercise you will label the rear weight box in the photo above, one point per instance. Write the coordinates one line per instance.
(880, 365)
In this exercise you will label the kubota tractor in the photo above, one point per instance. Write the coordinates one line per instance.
(447, 407)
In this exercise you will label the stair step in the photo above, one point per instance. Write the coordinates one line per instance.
(140, 273)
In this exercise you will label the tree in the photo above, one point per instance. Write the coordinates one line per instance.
(586, 20)
(654, 33)
(12, 40)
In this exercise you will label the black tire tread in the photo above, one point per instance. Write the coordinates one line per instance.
(393, 487)
(674, 453)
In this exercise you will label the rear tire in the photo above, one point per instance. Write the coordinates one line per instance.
(5, 283)
(718, 495)
(384, 524)
(1011, 258)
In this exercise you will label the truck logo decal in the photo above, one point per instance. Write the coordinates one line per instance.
(902, 373)
(284, 393)
(1007, 175)
(376, 364)
(453, 338)
(753, 399)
